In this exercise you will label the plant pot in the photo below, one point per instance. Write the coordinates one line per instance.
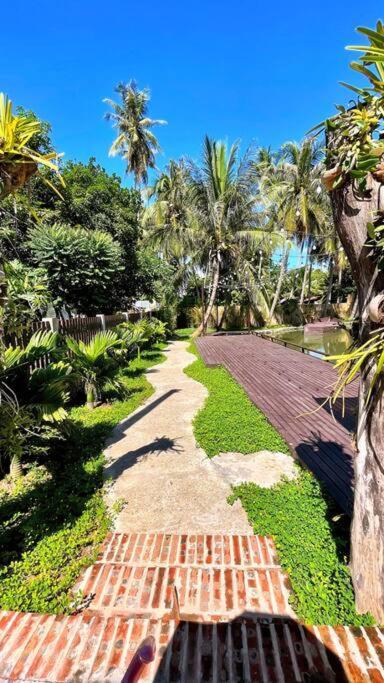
(329, 177)
(14, 175)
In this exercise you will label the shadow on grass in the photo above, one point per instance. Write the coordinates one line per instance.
(48, 506)
(333, 469)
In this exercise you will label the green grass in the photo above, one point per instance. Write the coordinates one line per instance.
(52, 523)
(229, 421)
(312, 542)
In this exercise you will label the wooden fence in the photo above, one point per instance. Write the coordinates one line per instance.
(81, 329)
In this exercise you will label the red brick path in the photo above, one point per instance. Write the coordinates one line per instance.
(234, 622)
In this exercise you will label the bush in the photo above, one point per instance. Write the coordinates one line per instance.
(80, 265)
(311, 547)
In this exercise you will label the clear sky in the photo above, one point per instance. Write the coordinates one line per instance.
(259, 71)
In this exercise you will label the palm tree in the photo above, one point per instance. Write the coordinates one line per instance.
(135, 140)
(93, 363)
(294, 187)
(223, 200)
(30, 399)
(169, 220)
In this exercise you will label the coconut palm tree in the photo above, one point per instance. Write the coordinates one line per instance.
(222, 195)
(169, 219)
(294, 187)
(135, 140)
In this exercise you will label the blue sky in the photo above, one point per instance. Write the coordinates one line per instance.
(264, 72)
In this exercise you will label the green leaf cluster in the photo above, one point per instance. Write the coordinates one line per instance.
(311, 547)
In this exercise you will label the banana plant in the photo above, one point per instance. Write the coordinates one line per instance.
(94, 365)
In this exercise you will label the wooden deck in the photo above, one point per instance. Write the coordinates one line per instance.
(284, 384)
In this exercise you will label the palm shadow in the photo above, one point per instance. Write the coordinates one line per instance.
(332, 465)
(120, 430)
(129, 459)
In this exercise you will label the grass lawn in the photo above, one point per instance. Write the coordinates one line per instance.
(53, 521)
(229, 421)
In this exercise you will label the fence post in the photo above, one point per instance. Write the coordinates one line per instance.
(101, 317)
(53, 323)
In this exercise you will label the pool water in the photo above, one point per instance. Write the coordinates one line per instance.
(330, 342)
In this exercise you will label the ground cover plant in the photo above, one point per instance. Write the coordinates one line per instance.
(229, 421)
(53, 519)
(312, 543)
(310, 534)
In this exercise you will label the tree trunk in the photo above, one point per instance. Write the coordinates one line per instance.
(283, 270)
(327, 299)
(304, 284)
(355, 307)
(309, 277)
(351, 214)
(339, 283)
(292, 292)
(215, 282)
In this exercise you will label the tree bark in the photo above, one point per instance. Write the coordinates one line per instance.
(215, 282)
(310, 277)
(304, 284)
(339, 283)
(283, 270)
(327, 299)
(351, 214)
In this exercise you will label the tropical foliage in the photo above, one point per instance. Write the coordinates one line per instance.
(135, 141)
(79, 264)
(18, 160)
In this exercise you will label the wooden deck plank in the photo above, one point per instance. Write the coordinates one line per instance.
(290, 388)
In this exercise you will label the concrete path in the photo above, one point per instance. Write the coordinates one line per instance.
(166, 482)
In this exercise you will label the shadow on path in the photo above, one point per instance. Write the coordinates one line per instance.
(119, 431)
(127, 460)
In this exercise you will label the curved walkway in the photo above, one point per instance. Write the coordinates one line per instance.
(165, 482)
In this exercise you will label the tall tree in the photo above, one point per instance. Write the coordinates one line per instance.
(354, 176)
(290, 184)
(135, 141)
(223, 199)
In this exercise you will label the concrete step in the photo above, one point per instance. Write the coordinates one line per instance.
(91, 647)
